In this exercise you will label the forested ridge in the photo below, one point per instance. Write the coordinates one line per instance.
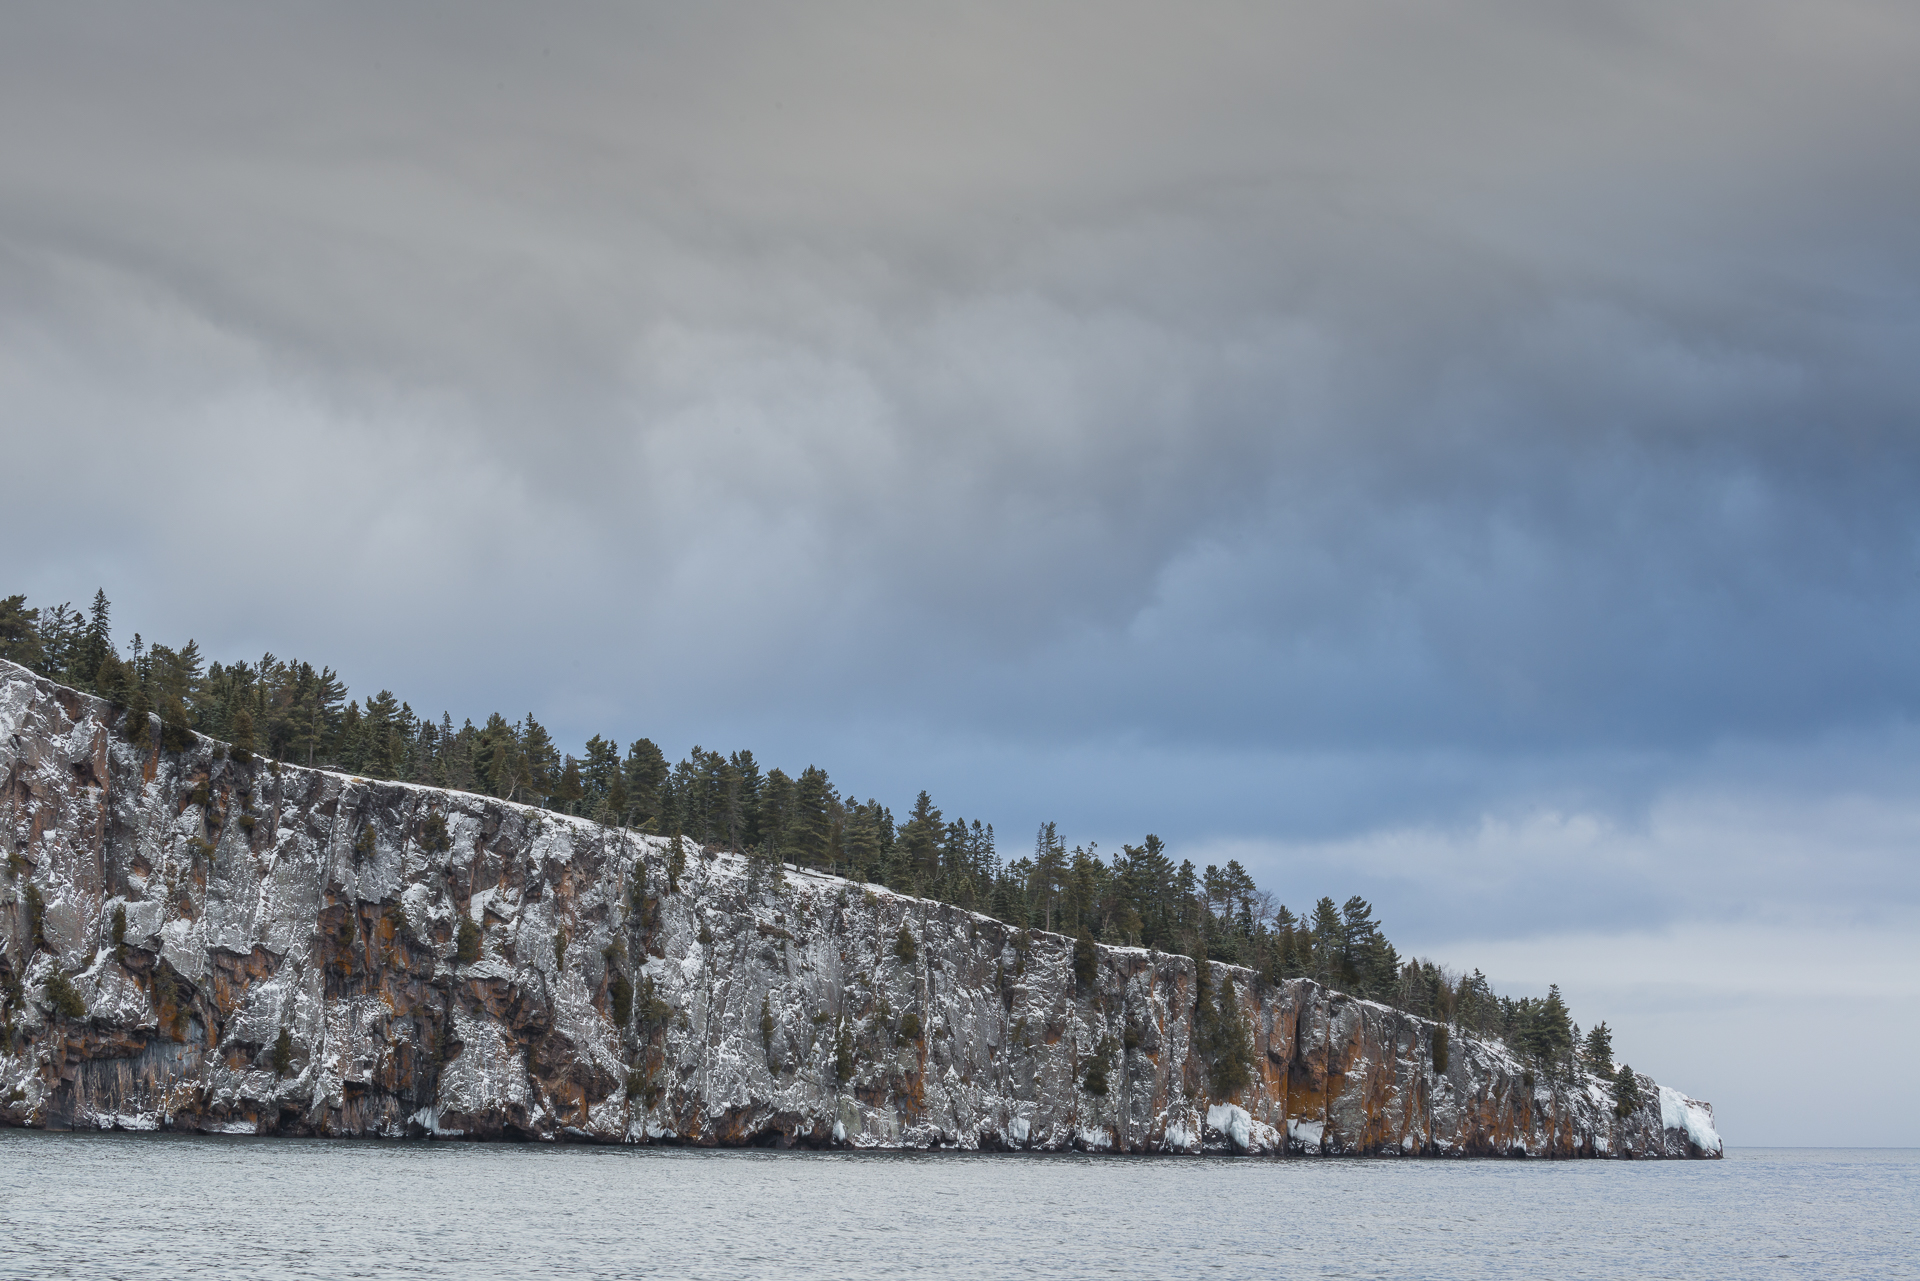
(290, 710)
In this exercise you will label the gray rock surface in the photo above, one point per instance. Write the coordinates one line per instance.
(761, 1005)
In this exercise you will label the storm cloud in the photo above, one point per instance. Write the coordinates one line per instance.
(1461, 453)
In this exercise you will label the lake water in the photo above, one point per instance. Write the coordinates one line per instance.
(110, 1205)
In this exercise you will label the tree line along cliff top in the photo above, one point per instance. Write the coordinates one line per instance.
(293, 711)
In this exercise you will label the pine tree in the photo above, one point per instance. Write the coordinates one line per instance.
(98, 638)
(676, 864)
(542, 758)
(776, 808)
(807, 825)
(568, 791)
(1598, 1050)
(20, 633)
(1229, 1048)
(646, 773)
(599, 766)
(243, 736)
(612, 809)
(434, 837)
(1326, 941)
(139, 722)
(743, 801)
(920, 841)
(175, 732)
(1086, 958)
(620, 996)
(110, 679)
(1626, 1091)
(1049, 871)
(467, 941)
(383, 735)
(1553, 1029)
(843, 1060)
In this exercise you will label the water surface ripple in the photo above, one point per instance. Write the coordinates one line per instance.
(112, 1205)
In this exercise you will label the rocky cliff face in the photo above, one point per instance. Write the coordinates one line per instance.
(196, 942)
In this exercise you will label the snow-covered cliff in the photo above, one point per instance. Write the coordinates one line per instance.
(288, 961)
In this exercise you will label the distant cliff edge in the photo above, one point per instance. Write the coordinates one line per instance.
(196, 942)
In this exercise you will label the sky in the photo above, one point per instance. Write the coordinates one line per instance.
(1462, 455)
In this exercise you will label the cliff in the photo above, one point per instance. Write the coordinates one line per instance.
(196, 942)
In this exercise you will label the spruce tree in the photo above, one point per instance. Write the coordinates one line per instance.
(176, 734)
(568, 791)
(613, 807)
(97, 640)
(807, 825)
(139, 723)
(1228, 1047)
(646, 774)
(542, 758)
(243, 736)
(467, 941)
(20, 633)
(110, 679)
(1598, 1049)
(776, 809)
(1086, 958)
(1626, 1091)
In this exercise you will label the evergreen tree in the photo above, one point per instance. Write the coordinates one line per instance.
(646, 773)
(612, 809)
(1598, 1050)
(1626, 1091)
(110, 679)
(1227, 1045)
(20, 633)
(1086, 958)
(427, 765)
(599, 767)
(568, 791)
(462, 774)
(1327, 940)
(863, 841)
(175, 735)
(382, 735)
(743, 801)
(98, 642)
(1553, 1031)
(919, 843)
(776, 808)
(243, 736)
(807, 825)
(542, 759)
(1049, 872)
(139, 721)
(466, 941)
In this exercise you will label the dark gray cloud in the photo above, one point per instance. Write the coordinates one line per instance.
(1358, 438)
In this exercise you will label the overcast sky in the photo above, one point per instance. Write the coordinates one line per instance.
(1461, 454)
